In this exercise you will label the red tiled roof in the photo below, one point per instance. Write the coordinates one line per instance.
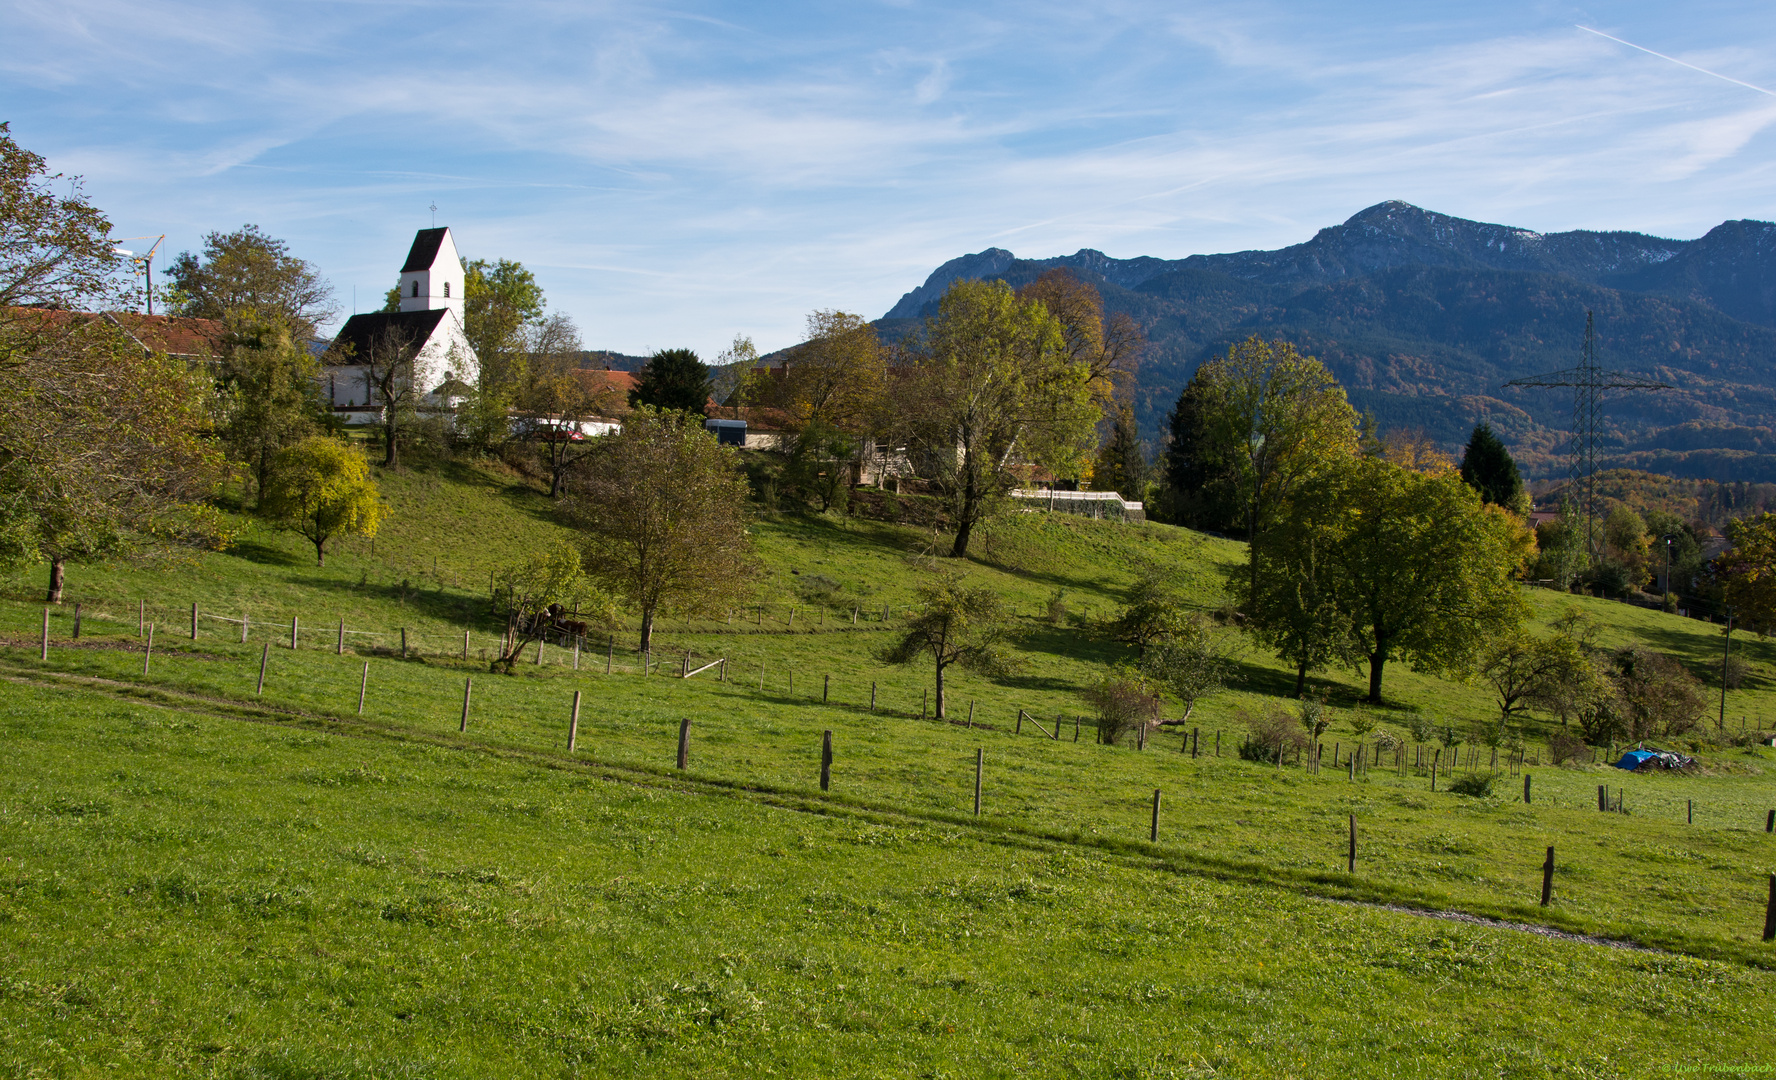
(175, 335)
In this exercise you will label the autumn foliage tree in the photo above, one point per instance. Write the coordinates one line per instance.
(321, 489)
(1747, 570)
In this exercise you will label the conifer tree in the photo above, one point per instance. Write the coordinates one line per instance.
(1487, 467)
(674, 380)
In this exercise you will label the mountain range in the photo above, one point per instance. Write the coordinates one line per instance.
(1423, 317)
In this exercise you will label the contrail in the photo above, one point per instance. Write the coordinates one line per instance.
(1675, 60)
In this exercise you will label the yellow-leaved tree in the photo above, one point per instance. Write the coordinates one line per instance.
(321, 488)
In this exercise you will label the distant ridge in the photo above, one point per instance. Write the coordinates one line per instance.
(1424, 316)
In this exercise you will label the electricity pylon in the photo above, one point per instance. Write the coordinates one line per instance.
(1588, 382)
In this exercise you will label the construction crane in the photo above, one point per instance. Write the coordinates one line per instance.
(144, 263)
(1588, 382)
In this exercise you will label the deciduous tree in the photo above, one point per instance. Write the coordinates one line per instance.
(103, 446)
(661, 508)
(1413, 566)
(992, 388)
(955, 624)
(1192, 663)
(1747, 570)
(526, 588)
(321, 488)
(269, 397)
(249, 279)
(56, 253)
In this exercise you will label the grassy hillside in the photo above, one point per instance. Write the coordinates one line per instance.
(200, 879)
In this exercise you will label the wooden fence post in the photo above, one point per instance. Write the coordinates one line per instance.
(149, 651)
(1602, 797)
(826, 761)
(1195, 741)
(1153, 832)
(264, 662)
(573, 724)
(1433, 774)
(826, 690)
(1689, 811)
(363, 685)
(194, 621)
(293, 631)
(1548, 877)
(141, 617)
(339, 650)
(971, 716)
(872, 697)
(1350, 866)
(1075, 727)
(576, 652)
(465, 646)
(1770, 912)
(44, 653)
(1770, 822)
(684, 743)
(244, 618)
(1217, 744)
(468, 687)
(76, 620)
(1525, 787)
(924, 702)
(979, 753)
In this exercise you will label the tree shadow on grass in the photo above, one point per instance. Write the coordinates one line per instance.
(468, 612)
(265, 554)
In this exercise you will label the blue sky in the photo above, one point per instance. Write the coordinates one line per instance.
(678, 174)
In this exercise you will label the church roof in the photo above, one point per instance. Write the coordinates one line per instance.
(361, 332)
(425, 249)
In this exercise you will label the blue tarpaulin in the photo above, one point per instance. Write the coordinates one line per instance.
(1640, 759)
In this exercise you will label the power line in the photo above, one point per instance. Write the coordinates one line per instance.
(1588, 381)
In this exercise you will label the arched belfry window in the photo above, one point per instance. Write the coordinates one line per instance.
(416, 288)
(447, 290)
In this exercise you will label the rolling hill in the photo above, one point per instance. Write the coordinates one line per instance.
(1424, 317)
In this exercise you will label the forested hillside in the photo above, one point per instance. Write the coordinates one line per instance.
(1424, 317)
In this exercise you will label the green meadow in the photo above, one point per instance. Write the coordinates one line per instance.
(197, 878)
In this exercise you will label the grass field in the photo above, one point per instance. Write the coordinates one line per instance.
(201, 880)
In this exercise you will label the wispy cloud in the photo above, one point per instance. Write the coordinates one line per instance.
(679, 172)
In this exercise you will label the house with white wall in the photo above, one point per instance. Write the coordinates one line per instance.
(428, 329)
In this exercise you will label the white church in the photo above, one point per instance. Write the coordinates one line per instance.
(428, 328)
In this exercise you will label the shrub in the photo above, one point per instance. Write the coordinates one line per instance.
(1385, 741)
(1362, 722)
(1123, 704)
(1563, 748)
(1057, 608)
(1420, 727)
(1475, 786)
(1737, 670)
(1270, 735)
